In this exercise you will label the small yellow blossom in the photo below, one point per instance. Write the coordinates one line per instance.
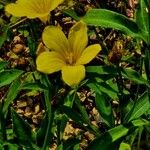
(68, 55)
(33, 8)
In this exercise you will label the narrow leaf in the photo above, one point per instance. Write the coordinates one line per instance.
(7, 76)
(109, 19)
(73, 115)
(22, 130)
(124, 146)
(134, 76)
(71, 13)
(33, 86)
(11, 95)
(103, 87)
(104, 108)
(104, 141)
(47, 136)
(140, 122)
(70, 143)
(102, 70)
(143, 18)
(3, 64)
(3, 34)
(139, 108)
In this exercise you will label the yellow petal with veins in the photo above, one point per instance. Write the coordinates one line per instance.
(49, 62)
(32, 8)
(55, 39)
(72, 75)
(78, 38)
(88, 54)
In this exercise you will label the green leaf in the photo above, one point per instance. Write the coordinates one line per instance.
(1, 6)
(102, 70)
(7, 76)
(47, 130)
(11, 146)
(104, 108)
(33, 86)
(148, 3)
(103, 87)
(143, 18)
(42, 131)
(82, 110)
(139, 108)
(3, 34)
(133, 136)
(134, 76)
(109, 19)
(63, 122)
(32, 45)
(69, 99)
(124, 146)
(3, 64)
(102, 73)
(147, 62)
(71, 113)
(11, 95)
(140, 122)
(70, 143)
(71, 13)
(106, 140)
(25, 33)
(22, 130)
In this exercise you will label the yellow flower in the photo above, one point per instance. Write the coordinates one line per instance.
(68, 55)
(33, 8)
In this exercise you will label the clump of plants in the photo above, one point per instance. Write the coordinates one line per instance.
(74, 74)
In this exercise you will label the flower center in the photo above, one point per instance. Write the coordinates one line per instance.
(70, 58)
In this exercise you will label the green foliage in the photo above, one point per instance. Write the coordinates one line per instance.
(22, 131)
(134, 76)
(110, 19)
(119, 93)
(140, 107)
(3, 64)
(106, 140)
(104, 108)
(7, 76)
(143, 19)
(11, 95)
(124, 146)
(3, 34)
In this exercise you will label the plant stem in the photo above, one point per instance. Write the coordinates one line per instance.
(85, 116)
(147, 64)
(2, 133)
(58, 133)
(140, 72)
(3, 2)
(48, 96)
(19, 22)
(119, 80)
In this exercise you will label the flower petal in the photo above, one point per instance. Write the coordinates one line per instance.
(14, 9)
(55, 39)
(49, 62)
(88, 54)
(78, 38)
(33, 8)
(41, 48)
(72, 75)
